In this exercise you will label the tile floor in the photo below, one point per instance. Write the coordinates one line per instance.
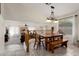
(19, 50)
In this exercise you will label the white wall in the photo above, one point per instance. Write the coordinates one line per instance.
(2, 31)
(9, 23)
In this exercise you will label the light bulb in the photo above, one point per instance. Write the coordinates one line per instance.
(48, 20)
(55, 21)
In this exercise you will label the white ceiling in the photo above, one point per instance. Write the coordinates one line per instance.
(35, 12)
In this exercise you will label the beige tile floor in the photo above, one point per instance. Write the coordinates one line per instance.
(19, 50)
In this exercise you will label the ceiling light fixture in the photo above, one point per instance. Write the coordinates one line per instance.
(51, 17)
(48, 20)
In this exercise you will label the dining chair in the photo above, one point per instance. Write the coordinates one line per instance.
(38, 40)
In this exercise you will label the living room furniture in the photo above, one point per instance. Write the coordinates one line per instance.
(54, 41)
(27, 38)
(38, 40)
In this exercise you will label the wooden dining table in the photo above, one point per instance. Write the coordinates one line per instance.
(49, 37)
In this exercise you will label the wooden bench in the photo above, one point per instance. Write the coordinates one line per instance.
(54, 41)
(58, 43)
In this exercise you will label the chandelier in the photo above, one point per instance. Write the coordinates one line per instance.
(51, 17)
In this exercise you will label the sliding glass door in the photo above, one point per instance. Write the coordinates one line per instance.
(66, 25)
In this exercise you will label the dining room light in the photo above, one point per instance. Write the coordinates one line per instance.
(51, 17)
(48, 20)
(55, 21)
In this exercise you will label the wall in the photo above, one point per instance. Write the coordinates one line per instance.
(31, 25)
(9, 23)
(2, 31)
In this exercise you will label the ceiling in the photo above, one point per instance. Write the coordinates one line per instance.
(36, 12)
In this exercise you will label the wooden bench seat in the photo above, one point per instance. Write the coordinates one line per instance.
(55, 44)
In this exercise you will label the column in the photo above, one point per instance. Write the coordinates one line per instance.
(2, 31)
(75, 29)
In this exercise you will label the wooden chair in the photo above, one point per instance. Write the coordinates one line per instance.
(38, 40)
(27, 38)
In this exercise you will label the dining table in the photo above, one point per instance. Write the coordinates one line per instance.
(49, 38)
